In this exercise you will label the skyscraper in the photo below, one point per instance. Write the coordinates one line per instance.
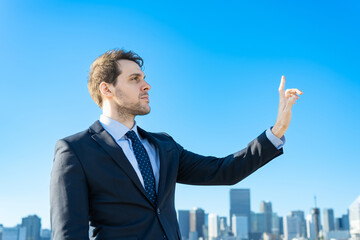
(328, 218)
(223, 227)
(345, 221)
(354, 217)
(315, 212)
(310, 227)
(197, 219)
(14, 233)
(258, 223)
(301, 219)
(240, 228)
(291, 227)
(338, 224)
(275, 229)
(213, 226)
(266, 209)
(33, 225)
(240, 204)
(184, 223)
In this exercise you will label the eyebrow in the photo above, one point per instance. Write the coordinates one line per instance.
(136, 75)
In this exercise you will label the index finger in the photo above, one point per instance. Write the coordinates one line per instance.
(282, 83)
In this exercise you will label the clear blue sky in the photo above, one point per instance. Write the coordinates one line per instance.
(214, 68)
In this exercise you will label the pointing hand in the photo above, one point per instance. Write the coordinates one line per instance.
(287, 100)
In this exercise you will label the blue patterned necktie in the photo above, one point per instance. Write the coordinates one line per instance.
(144, 164)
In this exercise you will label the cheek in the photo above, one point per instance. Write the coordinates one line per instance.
(127, 94)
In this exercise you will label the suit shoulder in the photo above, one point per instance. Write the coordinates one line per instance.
(162, 136)
(78, 137)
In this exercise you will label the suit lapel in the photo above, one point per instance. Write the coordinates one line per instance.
(104, 139)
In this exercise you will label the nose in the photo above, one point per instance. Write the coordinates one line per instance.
(147, 86)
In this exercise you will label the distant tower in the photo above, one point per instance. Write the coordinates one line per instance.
(33, 225)
(266, 208)
(240, 204)
(240, 229)
(184, 223)
(291, 227)
(223, 227)
(301, 220)
(328, 217)
(213, 226)
(197, 220)
(345, 221)
(316, 212)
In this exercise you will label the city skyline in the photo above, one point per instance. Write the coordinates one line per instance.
(252, 210)
(199, 223)
(266, 223)
(214, 70)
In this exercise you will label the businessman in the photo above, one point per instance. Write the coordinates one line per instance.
(120, 179)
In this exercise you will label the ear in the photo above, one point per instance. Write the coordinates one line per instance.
(106, 89)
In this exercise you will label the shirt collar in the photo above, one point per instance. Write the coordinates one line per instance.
(116, 129)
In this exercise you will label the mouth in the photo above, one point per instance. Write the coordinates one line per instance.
(146, 97)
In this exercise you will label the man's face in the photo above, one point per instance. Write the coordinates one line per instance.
(131, 90)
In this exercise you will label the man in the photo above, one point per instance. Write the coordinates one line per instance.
(121, 179)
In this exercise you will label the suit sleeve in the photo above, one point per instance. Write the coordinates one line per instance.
(200, 170)
(69, 211)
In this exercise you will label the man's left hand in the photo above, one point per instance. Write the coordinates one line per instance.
(287, 100)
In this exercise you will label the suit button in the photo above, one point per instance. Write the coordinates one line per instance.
(158, 211)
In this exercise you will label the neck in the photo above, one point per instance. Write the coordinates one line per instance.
(123, 118)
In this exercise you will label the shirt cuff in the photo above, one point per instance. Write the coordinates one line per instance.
(277, 142)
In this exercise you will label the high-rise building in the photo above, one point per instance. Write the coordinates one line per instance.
(266, 209)
(354, 217)
(32, 224)
(275, 229)
(338, 224)
(213, 226)
(310, 227)
(14, 233)
(328, 218)
(240, 228)
(184, 223)
(223, 227)
(240, 204)
(302, 224)
(291, 227)
(258, 223)
(315, 212)
(345, 221)
(197, 220)
(281, 225)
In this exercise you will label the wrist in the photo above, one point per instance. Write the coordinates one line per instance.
(278, 131)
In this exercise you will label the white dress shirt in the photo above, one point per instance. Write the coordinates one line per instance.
(117, 130)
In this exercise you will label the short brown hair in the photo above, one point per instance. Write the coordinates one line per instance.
(106, 69)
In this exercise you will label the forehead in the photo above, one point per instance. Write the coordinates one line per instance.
(129, 67)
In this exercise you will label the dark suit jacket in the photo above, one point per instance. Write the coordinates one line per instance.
(92, 181)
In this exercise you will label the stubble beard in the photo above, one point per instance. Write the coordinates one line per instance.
(130, 110)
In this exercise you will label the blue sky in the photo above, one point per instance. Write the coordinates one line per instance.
(214, 68)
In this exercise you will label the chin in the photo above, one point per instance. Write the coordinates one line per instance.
(143, 111)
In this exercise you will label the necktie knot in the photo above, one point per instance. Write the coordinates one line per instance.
(132, 135)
